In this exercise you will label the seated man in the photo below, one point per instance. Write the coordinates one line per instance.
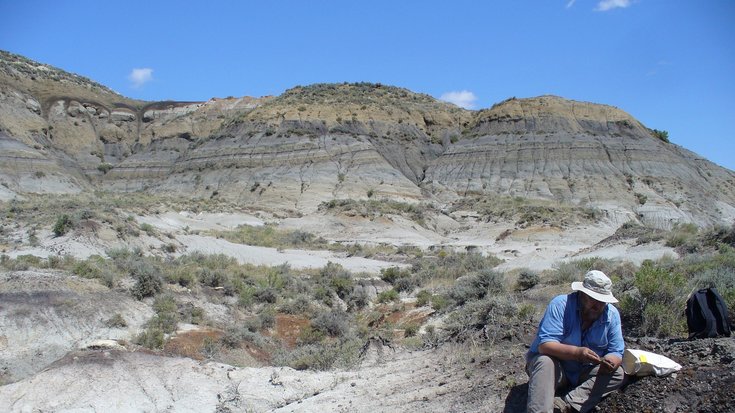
(578, 347)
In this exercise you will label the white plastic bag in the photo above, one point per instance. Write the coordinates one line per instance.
(644, 363)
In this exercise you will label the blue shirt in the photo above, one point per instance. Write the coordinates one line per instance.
(562, 323)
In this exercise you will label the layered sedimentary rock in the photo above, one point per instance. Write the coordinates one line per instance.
(63, 133)
(587, 154)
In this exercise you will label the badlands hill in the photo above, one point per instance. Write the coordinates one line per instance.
(61, 133)
(337, 248)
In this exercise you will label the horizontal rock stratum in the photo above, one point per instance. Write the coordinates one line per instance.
(62, 133)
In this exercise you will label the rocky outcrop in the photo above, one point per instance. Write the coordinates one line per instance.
(327, 141)
(584, 154)
(407, 381)
(47, 314)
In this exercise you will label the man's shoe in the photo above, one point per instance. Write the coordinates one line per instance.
(561, 406)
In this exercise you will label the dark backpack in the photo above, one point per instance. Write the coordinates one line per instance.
(707, 315)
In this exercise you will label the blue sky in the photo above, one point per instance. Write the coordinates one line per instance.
(669, 63)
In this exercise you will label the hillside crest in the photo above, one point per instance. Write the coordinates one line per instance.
(63, 133)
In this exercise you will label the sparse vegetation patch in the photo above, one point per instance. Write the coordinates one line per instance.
(526, 212)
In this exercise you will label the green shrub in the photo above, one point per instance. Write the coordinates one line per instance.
(21, 262)
(233, 337)
(526, 311)
(390, 274)
(342, 285)
(246, 297)
(63, 225)
(152, 338)
(335, 278)
(344, 353)
(163, 322)
(212, 277)
(119, 254)
(527, 279)
(149, 281)
(683, 237)
(423, 298)
(655, 306)
(148, 229)
(494, 314)
(450, 265)
(334, 322)
(476, 286)
(310, 335)
(405, 284)
(411, 330)
(196, 315)
(180, 275)
(87, 269)
(388, 296)
(266, 295)
(267, 317)
(299, 305)
(53, 261)
(116, 321)
(569, 271)
(659, 320)
(439, 302)
(642, 199)
(95, 267)
(271, 236)
(357, 300)
(167, 315)
(32, 237)
(104, 167)
(660, 134)
(299, 238)
(324, 295)
(565, 273)
(210, 348)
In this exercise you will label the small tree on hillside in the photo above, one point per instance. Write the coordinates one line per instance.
(661, 134)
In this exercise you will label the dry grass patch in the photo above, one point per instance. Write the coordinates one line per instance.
(526, 211)
(289, 328)
(195, 344)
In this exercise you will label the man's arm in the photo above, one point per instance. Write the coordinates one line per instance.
(613, 359)
(568, 352)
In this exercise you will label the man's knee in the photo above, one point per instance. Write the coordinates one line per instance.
(541, 364)
(617, 377)
(606, 382)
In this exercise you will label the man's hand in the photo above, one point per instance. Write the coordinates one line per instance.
(609, 364)
(585, 355)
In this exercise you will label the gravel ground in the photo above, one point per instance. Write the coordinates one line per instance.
(706, 383)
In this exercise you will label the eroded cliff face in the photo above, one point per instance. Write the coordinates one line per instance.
(586, 154)
(63, 133)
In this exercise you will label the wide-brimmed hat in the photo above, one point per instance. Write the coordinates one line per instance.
(597, 285)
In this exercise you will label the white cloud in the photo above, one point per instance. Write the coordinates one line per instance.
(606, 5)
(464, 99)
(139, 77)
(570, 3)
